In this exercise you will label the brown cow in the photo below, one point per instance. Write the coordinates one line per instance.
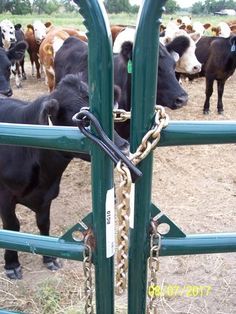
(50, 45)
(34, 35)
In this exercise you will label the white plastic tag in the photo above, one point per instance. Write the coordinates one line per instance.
(131, 216)
(110, 223)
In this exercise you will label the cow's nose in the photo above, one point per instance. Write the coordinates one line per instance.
(197, 68)
(181, 101)
(12, 40)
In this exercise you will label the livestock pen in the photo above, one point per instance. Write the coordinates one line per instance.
(172, 126)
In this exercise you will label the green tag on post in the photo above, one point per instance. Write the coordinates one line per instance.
(129, 66)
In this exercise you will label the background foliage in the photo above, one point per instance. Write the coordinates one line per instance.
(22, 7)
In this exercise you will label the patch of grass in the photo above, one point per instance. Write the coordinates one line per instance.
(48, 297)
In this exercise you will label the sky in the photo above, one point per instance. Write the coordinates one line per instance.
(181, 3)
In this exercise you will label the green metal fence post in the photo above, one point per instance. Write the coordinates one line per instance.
(143, 100)
(101, 100)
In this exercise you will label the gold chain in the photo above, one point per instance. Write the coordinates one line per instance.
(88, 284)
(153, 264)
(120, 115)
(123, 212)
(149, 142)
(152, 137)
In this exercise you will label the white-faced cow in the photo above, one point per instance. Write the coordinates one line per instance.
(34, 35)
(218, 58)
(7, 31)
(31, 176)
(187, 61)
(10, 35)
(6, 59)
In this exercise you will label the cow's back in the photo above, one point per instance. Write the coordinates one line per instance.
(71, 58)
(217, 56)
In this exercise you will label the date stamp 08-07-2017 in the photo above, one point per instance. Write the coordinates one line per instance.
(178, 291)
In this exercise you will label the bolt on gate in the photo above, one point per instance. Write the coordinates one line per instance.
(146, 214)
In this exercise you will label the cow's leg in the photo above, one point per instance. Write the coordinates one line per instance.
(32, 63)
(50, 80)
(43, 223)
(22, 64)
(220, 90)
(10, 222)
(17, 75)
(209, 91)
(37, 68)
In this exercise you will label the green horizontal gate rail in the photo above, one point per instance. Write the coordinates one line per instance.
(144, 80)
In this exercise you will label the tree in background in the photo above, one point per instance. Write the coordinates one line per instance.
(70, 6)
(211, 6)
(171, 6)
(21, 7)
(3, 5)
(46, 6)
(117, 6)
(198, 8)
(17, 7)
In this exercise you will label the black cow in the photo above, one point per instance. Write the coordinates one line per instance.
(19, 65)
(169, 91)
(31, 176)
(6, 59)
(218, 58)
(72, 58)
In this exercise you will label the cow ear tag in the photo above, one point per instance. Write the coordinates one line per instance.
(233, 48)
(129, 66)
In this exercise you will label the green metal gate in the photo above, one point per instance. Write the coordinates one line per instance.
(144, 80)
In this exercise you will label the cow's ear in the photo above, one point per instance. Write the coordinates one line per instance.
(175, 55)
(48, 49)
(206, 25)
(30, 28)
(48, 24)
(49, 111)
(18, 26)
(18, 51)
(195, 36)
(84, 89)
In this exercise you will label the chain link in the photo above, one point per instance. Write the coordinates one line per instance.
(152, 137)
(120, 115)
(153, 264)
(149, 142)
(123, 211)
(88, 284)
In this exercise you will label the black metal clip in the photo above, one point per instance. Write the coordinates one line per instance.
(83, 119)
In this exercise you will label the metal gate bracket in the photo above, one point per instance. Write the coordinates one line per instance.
(161, 218)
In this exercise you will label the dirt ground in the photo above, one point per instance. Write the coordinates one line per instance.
(195, 186)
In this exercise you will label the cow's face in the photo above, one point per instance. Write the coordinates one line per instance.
(188, 62)
(66, 100)
(6, 58)
(7, 33)
(39, 31)
(169, 91)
